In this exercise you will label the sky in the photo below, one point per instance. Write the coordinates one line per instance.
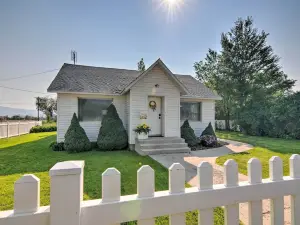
(37, 36)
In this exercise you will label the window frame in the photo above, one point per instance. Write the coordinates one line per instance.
(80, 118)
(200, 111)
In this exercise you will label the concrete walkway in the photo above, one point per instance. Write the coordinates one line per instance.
(191, 160)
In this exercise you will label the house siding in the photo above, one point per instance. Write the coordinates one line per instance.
(171, 102)
(207, 115)
(67, 104)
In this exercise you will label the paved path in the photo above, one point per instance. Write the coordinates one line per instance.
(191, 160)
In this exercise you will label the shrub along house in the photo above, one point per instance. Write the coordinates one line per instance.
(166, 99)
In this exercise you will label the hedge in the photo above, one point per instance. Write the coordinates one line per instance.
(39, 129)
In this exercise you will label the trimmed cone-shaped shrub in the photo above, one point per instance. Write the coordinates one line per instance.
(188, 134)
(112, 134)
(209, 130)
(75, 138)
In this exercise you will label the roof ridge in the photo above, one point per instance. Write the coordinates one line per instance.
(69, 64)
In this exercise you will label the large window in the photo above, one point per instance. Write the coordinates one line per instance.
(92, 109)
(190, 111)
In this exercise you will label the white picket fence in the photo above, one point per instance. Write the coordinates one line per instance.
(68, 208)
(16, 128)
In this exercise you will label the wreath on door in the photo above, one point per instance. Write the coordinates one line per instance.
(152, 105)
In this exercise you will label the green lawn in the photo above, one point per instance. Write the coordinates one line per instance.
(264, 149)
(31, 154)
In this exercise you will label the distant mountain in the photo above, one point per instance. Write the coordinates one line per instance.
(7, 111)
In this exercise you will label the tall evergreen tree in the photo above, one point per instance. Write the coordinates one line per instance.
(246, 73)
(112, 134)
(141, 65)
(76, 139)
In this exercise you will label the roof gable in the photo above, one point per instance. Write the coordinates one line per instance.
(159, 62)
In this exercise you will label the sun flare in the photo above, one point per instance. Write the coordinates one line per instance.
(171, 7)
(171, 2)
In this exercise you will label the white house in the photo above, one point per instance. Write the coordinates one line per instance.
(88, 90)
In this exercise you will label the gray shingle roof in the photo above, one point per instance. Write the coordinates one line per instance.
(110, 81)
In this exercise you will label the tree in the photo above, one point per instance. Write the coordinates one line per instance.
(209, 72)
(246, 73)
(112, 134)
(76, 139)
(141, 65)
(47, 105)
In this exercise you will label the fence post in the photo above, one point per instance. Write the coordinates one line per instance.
(66, 192)
(295, 199)
(277, 204)
(231, 180)
(19, 128)
(27, 194)
(177, 185)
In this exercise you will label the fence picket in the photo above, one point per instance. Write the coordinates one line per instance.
(231, 180)
(205, 182)
(111, 186)
(277, 204)
(254, 207)
(27, 194)
(145, 188)
(177, 185)
(295, 199)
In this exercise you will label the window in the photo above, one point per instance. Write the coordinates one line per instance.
(190, 111)
(92, 109)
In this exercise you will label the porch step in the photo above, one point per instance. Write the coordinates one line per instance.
(161, 145)
(162, 140)
(165, 150)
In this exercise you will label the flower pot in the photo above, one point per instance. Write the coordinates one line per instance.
(142, 136)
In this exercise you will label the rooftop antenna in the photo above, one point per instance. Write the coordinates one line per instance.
(74, 56)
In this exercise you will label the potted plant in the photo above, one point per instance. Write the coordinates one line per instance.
(142, 131)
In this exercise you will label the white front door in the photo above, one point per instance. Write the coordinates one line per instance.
(154, 116)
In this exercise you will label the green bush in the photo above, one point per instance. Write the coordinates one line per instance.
(209, 130)
(57, 147)
(39, 129)
(188, 134)
(75, 137)
(112, 134)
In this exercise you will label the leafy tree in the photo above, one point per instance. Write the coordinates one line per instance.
(188, 134)
(47, 105)
(141, 65)
(246, 73)
(112, 134)
(76, 139)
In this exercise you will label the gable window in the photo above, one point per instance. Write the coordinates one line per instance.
(190, 111)
(92, 109)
